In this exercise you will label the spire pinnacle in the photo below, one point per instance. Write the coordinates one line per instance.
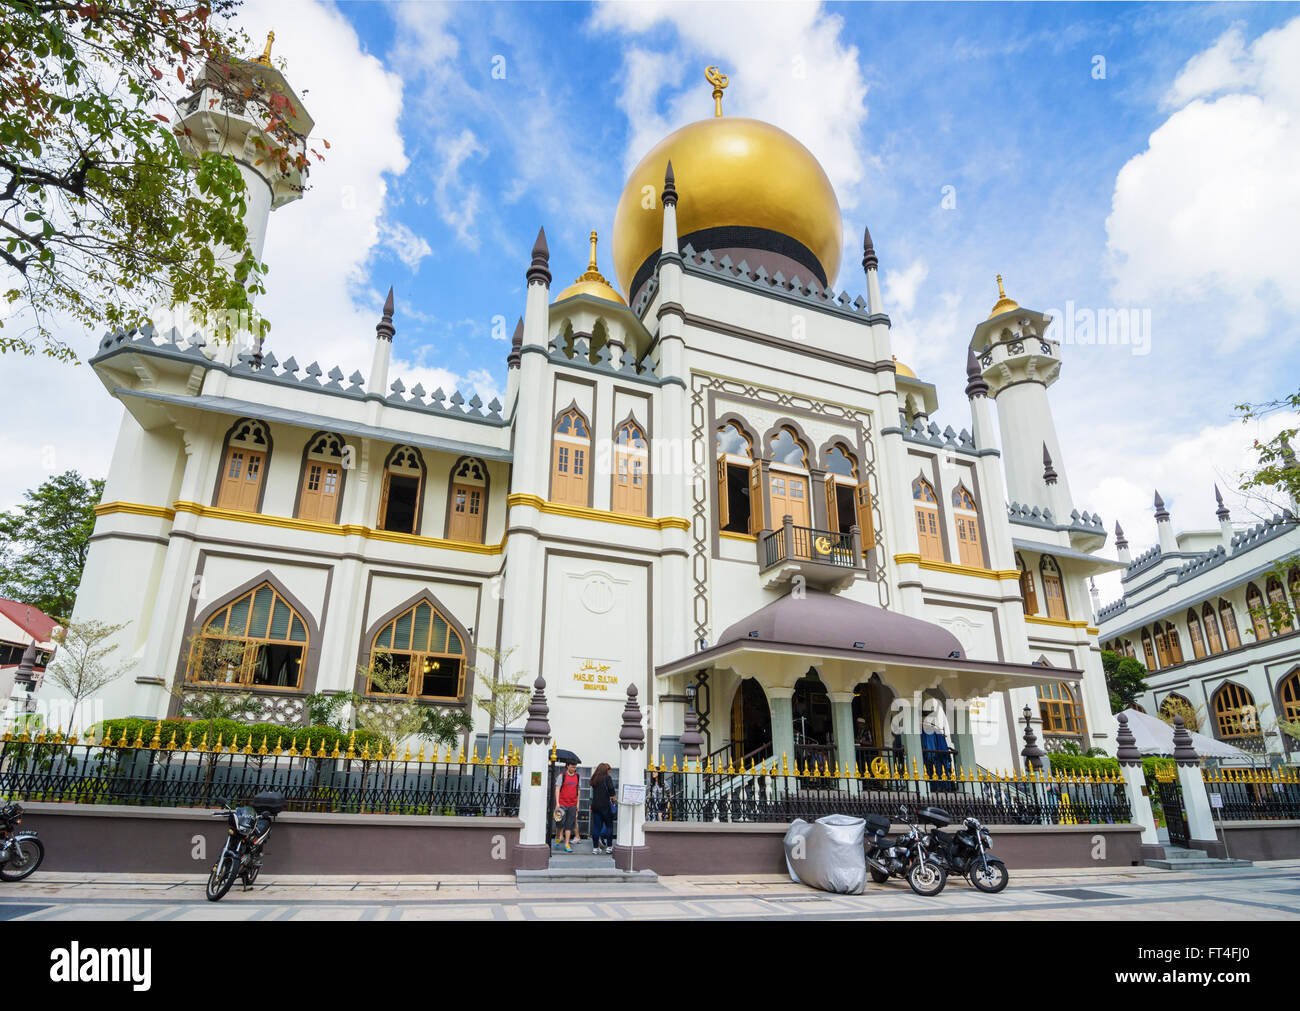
(1003, 304)
(1222, 512)
(384, 329)
(1120, 540)
(1049, 472)
(265, 58)
(516, 346)
(869, 259)
(670, 186)
(975, 384)
(1161, 512)
(538, 269)
(719, 81)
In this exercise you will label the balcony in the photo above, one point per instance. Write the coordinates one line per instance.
(824, 559)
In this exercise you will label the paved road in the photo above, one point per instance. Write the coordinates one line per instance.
(1268, 891)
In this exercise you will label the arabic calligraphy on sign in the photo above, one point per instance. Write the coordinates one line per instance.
(594, 676)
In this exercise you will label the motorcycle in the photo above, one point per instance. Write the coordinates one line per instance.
(20, 852)
(908, 856)
(965, 852)
(241, 857)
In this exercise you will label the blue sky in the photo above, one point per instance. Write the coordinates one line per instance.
(440, 173)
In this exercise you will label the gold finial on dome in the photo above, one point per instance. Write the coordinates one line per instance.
(592, 282)
(719, 81)
(265, 58)
(1004, 304)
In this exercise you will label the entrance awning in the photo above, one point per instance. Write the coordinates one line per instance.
(815, 628)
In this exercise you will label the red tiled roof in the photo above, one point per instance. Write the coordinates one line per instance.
(33, 620)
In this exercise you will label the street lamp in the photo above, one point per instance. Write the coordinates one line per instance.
(1032, 753)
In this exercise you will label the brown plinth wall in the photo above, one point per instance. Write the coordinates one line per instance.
(98, 838)
(1257, 840)
(715, 848)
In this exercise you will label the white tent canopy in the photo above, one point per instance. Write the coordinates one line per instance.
(1156, 737)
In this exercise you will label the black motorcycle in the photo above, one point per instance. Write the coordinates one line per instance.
(241, 857)
(908, 856)
(20, 852)
(965, 852)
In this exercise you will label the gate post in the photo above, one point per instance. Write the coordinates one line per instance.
(691, 741)
(631, 769)
(533, 852)
(1201, 832)
(1130, 766)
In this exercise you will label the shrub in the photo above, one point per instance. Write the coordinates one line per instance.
(239, 734)
(1063, 762)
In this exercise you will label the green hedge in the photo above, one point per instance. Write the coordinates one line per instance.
(1081, 763)
(237, 733)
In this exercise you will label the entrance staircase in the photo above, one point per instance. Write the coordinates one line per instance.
(582, 866)
(1178, 859)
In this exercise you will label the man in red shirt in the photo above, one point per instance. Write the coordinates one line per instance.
(566, 801)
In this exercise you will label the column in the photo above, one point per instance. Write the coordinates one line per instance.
(1130, 766)
(1201, 831)
(842, 721)
(629, 847)
(780, 700)
(532, 851)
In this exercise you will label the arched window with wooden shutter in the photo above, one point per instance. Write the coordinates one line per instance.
(1149, 652)
(1053, 587)
(571, 459)
(423, 654)
(966, 515)
(735, 473)
(788, 479)
(1258, 612)
(467, 506)
(321, 484)
(1213, 643)
(257, 640)
(1028, 595)
(1194, 630)
(402, 495)
(1175, 644)
(1288, 696)
(631, 471)
(848, 496)
(1235, 714)
(926, 505)
(1060, 709)
(1228, 617)
(243, 467)
(1279, 610)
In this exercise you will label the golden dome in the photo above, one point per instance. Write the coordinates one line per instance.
(592, 282)
(1004, 304)
(901, 369)
(729, 172)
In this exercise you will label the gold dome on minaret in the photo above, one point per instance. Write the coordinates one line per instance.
(740, 175)
(1004, 304)
(592, 282)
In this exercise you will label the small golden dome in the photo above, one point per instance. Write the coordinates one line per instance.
(1004, 304)
(592, 282)
(730, 172)
(901, 369)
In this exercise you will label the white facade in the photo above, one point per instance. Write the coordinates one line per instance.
(595, 590)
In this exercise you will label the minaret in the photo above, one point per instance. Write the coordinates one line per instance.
(1095, 596)
(1019, 362)
(1121, 545)
(1164, 527)
(1001, 551)
(871, 266)
(531, 468)
(384, 331)
(512, 365)
(1225, 519)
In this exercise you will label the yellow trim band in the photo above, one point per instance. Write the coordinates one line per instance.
(289, 523)
(731, 535)
(1058, 622)
(600, 515)
(959, 570)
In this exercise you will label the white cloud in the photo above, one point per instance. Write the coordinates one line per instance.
(901, 286)
(1210, 211)
(404, 244)
(457, 201)
(787, 64)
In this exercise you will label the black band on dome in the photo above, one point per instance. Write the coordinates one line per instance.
(736, 237)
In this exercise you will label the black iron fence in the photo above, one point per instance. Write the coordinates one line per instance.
(1253, 794)
(342, 780)
(777, 793)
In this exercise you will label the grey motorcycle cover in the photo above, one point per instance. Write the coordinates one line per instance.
(828, 854)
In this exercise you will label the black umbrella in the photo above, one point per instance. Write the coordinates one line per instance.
(563, 757)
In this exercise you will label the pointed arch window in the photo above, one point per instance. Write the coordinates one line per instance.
(1213, 643)
(1060, 709)
(422, 645)
(631, 471)
(1053, 587)
(788, 486)
(926, 504)
(1148, 652)
(1258, 616)
(321, 485)
(1228, 617)
(1028, 596)
(243, 468)
(257, 640)
(1174, 703)
(1278, 604)
(571, 459)
(467, 500)
(1288, 695)
(402, 496)
(739, 511)
(1235, 714)
(1175, 644)
(968, 528)
(848, 496)
(1194, 630)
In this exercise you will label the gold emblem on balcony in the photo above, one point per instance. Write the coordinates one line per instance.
(823, 545)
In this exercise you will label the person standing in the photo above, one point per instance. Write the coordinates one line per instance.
(602, 810)
(566, 801)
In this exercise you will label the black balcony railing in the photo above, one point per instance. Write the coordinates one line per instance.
(808, 544)
(356, 783)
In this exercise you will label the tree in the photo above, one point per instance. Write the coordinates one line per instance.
(1125, 679)
(444, 726)
(214, 661)
(105, 210)
(506, 699)
(1172, 707)
(1274, 473)
(391, 713)
(81, 666)
(43, 544)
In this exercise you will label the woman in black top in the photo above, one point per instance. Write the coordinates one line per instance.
(602, 810)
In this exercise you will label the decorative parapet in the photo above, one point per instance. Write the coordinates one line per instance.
(1111, 610)
(795, 288)
(579, 353)
(930, 435)
(1143, 561)
(266, 368)
(1261, 532)
(1080, 522)
(1202, 563)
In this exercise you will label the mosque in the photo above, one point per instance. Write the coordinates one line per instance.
(709, 478)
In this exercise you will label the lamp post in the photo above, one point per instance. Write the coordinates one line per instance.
(1032, 753)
